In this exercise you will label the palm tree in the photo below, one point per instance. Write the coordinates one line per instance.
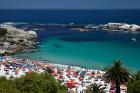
(95, 88)
(134, 84)
(137, 76)
(116, 74)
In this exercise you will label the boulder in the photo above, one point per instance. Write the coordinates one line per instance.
(121, 27)
(19, 33)
(10, 36)
(32, 34)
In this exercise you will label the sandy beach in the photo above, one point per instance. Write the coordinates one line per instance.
(75, 78)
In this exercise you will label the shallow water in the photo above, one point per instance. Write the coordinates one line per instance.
(89, 49)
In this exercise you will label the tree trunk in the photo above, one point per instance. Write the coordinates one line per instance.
(117, 88)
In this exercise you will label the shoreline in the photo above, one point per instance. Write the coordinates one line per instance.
(10, 58)
(81, 77)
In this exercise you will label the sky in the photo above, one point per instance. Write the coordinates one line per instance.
(69, 4)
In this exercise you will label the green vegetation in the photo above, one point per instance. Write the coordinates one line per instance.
(48, 70)
(134, 84)
(8, 86)
(117, 75)
(32, 83)
(95, 88)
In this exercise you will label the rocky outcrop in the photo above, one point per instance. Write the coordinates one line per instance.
(13, 39)
(80, 29)
(120, 27)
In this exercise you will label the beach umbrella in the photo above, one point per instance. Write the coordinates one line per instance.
(76, 84)
(49, 65)
(38, 62)
(60, 77)
(69, 70)
(81, 78)
(4, 62)
(75, 74)
(70, 83)
(55, 70)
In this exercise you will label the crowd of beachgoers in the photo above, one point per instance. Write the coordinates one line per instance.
(75, 78)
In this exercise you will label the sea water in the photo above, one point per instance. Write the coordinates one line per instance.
(88, 49)
(96, 49)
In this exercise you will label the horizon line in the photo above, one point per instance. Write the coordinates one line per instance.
(70, 9)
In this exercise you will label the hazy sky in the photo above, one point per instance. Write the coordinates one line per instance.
(69, 4)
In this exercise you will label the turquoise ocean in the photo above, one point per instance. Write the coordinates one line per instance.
(95, 49)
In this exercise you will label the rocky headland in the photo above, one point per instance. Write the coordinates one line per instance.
(13, 40)
(120, 27)
(107, 27)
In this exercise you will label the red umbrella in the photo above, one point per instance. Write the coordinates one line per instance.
(36, 62)
(70, 83)
(49, 66)
(75, 74)
(60, 77)
(81, 78)
(68, 71)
